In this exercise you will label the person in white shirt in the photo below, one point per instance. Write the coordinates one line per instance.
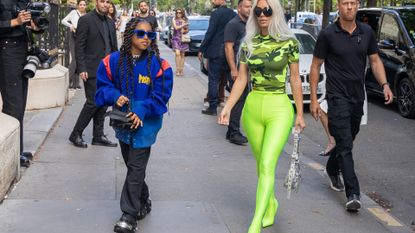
(71, 21)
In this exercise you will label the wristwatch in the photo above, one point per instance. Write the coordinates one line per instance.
(386, 83)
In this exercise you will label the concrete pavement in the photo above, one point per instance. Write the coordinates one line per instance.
(199, 182)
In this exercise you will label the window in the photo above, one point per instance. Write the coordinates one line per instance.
(202, 24)
(307, 43)
(389, 30)
(408, 19)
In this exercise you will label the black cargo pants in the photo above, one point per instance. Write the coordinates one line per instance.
(344, 124)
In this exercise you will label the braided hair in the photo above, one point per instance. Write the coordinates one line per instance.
(126, 60)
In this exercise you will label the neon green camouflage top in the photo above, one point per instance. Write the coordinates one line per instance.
(269, 61)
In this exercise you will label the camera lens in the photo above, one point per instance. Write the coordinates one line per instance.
(30, 68)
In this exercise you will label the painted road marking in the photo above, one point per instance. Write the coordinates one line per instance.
(384, 216)
(316, 166)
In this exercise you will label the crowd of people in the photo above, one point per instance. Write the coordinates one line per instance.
(119, 63)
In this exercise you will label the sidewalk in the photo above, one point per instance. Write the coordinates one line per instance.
(199, 182)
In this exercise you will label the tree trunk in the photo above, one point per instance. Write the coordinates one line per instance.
(302, 5)
(233, 4)
(371, 3)
(326, 12)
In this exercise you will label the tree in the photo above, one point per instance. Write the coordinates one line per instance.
(326, 12)
(371, 3)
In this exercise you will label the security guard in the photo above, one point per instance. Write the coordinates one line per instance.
(15, 26)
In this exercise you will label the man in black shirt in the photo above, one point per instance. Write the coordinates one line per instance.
(234, 32)
(212, 48)
(142, 5)
(95, 39)
(343, 47)
(13, 52)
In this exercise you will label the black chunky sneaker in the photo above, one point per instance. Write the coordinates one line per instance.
(353, 203)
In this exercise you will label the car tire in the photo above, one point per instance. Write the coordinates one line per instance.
(406, 98)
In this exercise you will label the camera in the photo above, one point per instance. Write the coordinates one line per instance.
(35, 59)
(39, 12)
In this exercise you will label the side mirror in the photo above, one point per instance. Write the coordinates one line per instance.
(387, 44)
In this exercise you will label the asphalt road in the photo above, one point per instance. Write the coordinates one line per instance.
(384, 154)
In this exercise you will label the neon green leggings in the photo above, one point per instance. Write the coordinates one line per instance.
(267, 119)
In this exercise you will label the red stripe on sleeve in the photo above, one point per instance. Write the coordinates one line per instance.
(164, 65)
(106, 61)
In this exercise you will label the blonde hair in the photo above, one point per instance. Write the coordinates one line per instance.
(278, 27)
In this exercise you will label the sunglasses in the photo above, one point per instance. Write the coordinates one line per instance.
(140, 34)
(266, 10)
(179, 12)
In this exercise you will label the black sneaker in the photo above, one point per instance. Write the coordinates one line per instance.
(145, 209)
(209, 111)
(238, 139)
(353, 203)
(126, 224)
(336, 183)
(24, 161)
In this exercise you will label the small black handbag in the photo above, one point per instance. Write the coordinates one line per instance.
(119, 120)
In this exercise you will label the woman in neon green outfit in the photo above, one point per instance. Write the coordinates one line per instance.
(269, 48)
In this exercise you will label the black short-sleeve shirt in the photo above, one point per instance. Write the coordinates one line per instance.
(151, 19)
(234, 32)
(345, 57)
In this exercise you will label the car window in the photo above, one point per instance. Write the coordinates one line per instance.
(307, 43)
(408, 19)
(369, 17)
(198, 24)
(389, 29)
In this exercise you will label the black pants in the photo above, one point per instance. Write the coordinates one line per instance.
(217, 68)
(135, 191)
(90, 111)
(344, 124)
(73, 76)
(235, 117)
(13, 86)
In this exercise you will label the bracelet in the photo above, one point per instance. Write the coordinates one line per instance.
(384, 84)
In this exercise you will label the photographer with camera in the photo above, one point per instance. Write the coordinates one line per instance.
(16, 25)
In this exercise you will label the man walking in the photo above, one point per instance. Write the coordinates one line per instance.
(343, 47)
(212, 49)
(234, 32)
(144, 15)
(95, 38)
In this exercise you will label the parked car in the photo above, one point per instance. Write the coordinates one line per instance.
(198, 26)
(164, 34)
(395, 33)
(307, 44)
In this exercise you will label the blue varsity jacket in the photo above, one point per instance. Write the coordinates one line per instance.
(148, 98)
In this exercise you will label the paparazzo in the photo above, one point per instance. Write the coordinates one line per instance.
(16, 24)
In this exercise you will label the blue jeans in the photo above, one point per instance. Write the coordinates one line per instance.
(217, 66)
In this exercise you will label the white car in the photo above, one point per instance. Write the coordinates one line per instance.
(307, 44)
